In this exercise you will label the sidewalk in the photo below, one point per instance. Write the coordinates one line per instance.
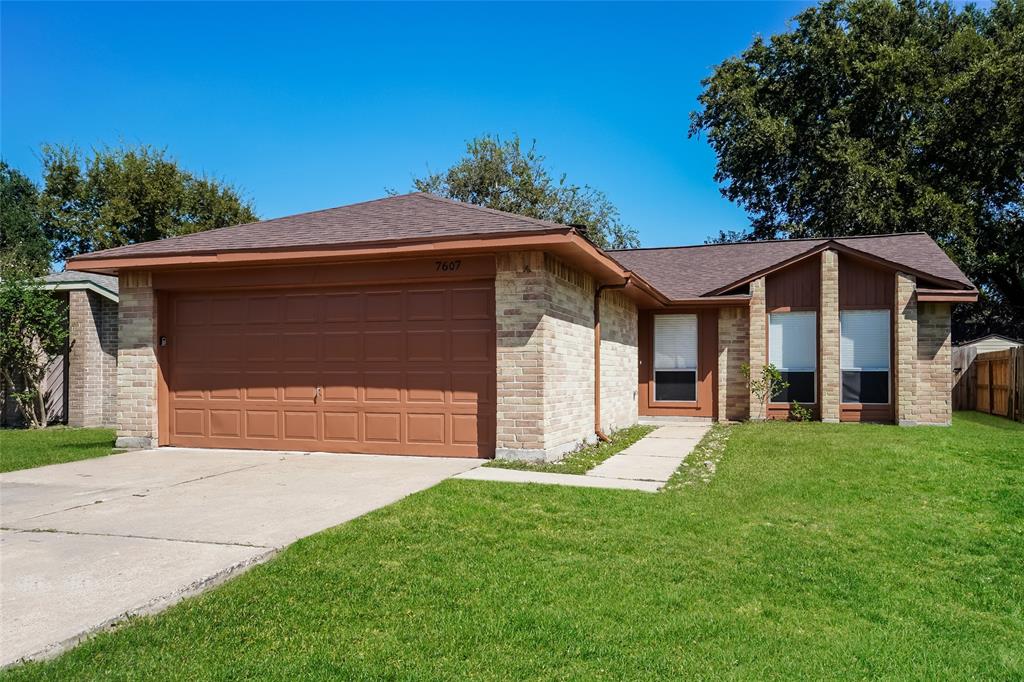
(645, 465)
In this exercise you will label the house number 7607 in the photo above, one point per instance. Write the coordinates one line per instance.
(447, 265)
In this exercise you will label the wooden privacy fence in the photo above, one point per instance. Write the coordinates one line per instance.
(989, 382)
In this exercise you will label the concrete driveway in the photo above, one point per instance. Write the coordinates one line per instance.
(85, 544)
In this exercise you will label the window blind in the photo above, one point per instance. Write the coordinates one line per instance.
(675, 342)
(791, 341)
(864, 342)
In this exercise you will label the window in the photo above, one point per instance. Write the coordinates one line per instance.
(793, 349)
(864, 355)
(675, 357)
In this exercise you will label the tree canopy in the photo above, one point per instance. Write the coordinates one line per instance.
(872, 116)
(503, 175)
(124, 195)
(22, 239)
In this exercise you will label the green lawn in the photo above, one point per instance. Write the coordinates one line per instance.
(27, 448)
(814, 551)
(584, 459)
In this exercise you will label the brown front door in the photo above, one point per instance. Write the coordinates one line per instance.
(389, 369)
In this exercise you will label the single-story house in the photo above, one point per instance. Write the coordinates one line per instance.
(80, 388)
(418, 325)
(991, 342)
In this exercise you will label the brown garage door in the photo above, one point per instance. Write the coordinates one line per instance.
(402, 369)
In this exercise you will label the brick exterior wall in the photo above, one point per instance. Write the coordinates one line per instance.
(619, 369)
(92, 360)
(545, 357)
(758, 342)
(733, 350)
(906, 348)
(136, 362)
(829, 369)
(933, 404)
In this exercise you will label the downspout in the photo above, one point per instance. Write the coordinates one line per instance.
(597, 356)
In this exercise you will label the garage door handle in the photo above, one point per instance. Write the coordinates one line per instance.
(316, 396)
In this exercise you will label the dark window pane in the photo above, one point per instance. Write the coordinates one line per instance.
(801, 388)
(865, 387)
(675, 385)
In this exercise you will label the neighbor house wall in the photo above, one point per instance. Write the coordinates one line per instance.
(618, 361)
(137, 362)
(92, 360)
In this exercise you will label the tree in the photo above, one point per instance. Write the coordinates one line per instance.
(22, 238)
(505, 176)
(33, 329)
(124, 195)
(871, 116)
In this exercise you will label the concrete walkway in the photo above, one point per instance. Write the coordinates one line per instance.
(87, 543)
(645, 465)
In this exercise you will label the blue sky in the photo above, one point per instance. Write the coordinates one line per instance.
(306, 106)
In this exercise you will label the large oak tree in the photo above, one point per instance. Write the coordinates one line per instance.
(505, 175)
(127, 194)
(872, 116)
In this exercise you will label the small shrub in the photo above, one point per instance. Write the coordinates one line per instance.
(798, 412)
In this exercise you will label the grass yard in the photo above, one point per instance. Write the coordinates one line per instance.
(583, 460)
(814, 551)
(27, 448)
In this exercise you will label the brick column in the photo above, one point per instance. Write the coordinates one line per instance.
(829, 324)
(520, 303)
(758, 343)
(733, 350)
(934, 365)
(85, 367)
(136, 362)
(906, 349)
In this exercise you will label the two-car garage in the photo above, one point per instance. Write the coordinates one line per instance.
(401, 368)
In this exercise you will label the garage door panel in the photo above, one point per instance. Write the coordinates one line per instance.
(341, 346)
(427, 305)
(382, 427)
(428, 345)
(226, 423)
(300, 425)
(189, 422)
(341, 426)
(383, 306)
(384, 346)
(261, 424)
(382, 387)
(472, 346)
(425, 427)
(403, 369)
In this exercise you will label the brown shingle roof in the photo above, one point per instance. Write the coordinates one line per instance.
(694, 271)
(678, 272)
(404, 217)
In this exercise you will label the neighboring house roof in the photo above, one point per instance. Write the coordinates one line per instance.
(418, 216)
(411, 223)
(714, 268)
(996, 337)
(104, 285)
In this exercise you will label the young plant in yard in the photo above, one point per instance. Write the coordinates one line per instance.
(799, 413)
(33, 328)
(769, 384)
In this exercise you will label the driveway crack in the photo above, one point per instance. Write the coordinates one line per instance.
(138, 537)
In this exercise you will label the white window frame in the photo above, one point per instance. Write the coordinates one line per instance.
(674, 368)
(888, 343)
(813, 356)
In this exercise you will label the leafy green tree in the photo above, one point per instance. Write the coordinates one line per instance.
(874, 116)
(33, 329)
(22, 238)
(503, 175)
(124, 195)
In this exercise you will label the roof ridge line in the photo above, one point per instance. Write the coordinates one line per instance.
(771, 241)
